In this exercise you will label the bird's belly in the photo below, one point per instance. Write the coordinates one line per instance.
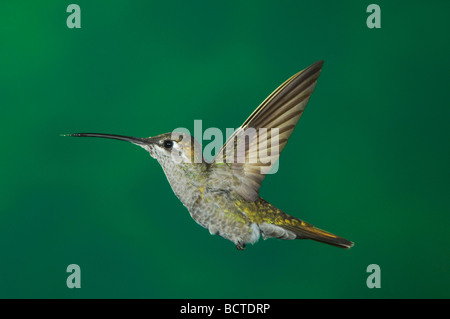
(221, 217)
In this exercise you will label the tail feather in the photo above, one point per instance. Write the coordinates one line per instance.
(293, 228)
(304, 230)
(285, 226)
(273, 222)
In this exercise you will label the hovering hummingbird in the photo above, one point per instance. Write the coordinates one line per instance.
(223, 195)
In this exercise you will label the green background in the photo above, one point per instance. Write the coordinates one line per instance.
(368, 161)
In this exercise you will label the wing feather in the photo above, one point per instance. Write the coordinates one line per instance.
(273, 122)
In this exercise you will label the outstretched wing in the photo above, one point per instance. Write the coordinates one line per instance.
(255, 147)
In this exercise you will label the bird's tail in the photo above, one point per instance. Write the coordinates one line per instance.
(284, 226)
(304, 230)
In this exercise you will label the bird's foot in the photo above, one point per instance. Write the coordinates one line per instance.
(240, 246)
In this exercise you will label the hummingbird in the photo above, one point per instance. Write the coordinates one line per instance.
(222, 195)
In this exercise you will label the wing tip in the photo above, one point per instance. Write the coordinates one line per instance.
(316, 66)
(320, 62)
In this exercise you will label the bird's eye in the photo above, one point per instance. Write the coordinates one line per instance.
(168, 144)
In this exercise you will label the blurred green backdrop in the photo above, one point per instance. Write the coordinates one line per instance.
(369, 159)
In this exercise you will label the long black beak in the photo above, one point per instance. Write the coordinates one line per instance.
(134, 140)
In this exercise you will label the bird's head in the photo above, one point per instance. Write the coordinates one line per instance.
(174, 147)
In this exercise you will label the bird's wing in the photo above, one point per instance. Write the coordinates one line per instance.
(279, 113)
